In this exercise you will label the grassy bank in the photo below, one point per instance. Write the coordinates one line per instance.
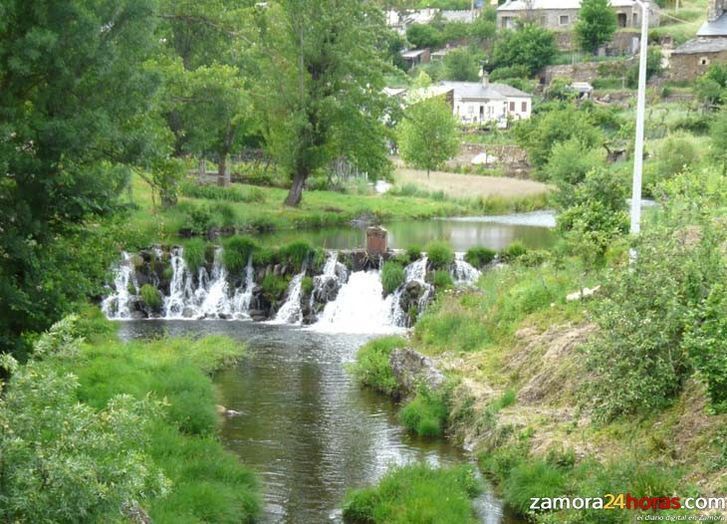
(253, 209)
(128, 429)
(416, 493)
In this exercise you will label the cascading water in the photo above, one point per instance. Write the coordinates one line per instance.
(212, 294)
(243, 295)
(291, 312)
(179, 301)
(414, 272)
(333, 275)
(358, 308)
(118, 304)
(463, 273)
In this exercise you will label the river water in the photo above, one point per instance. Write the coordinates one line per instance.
(305, 426)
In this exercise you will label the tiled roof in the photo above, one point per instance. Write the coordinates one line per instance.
(716, 28)
(492, 91)
(702, 45)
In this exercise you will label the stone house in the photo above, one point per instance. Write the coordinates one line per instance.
(692, 58)
(563, 14)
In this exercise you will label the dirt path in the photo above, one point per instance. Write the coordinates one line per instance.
(456, 185)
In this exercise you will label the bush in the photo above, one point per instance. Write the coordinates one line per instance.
(274, 286)
(414, 252)
(513, 252)
(532, 479)
(372, 364)
(296, 254)
(416, 493)
(151, 297)
(392, 276)
(534, 258)
(479, 257)
(200, 220)
(237, 252)
(676, 154)
(440, 255)
(194, 253)
(426, 414)
(442, 279)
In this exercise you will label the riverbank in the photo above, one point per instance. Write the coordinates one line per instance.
(100, 426)
(210, 210)
(517, 392)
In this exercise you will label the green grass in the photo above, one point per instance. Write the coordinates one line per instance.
(237, 251)
(212, 207)
(151, 296)
(479, 257)
(195, 253)
(442, 279)
(426, 414)
(372, 368)
(416, 493)
(532, 479)
(440, 255)
(274, 286)
(208, 484)
(392, 276)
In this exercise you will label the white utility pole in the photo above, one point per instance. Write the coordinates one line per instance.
(640, 109)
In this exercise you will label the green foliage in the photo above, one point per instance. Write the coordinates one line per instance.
(676, 154)
(653, 67)
(307, 285)
(237, 253)
(274, 286)
(706, 344)
(232, 193)
(440, 255)
(414, 253)
(506, 73)
(530, 46)
(539, 135)
(532, 479)
(151, 296)
(479, 257)
(718, 133)
(442, 280)
(596, 24)
(426, 414)
(195, 253)
(710, 87)
(462, 64)
(428, 134)
(423, 35)
(568, 165)
(296, 254)
(392, 276)
(372, 366)
(513, 252)
(416, 493)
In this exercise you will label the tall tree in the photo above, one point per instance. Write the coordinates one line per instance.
(530, 46)
(596, 24)
(323, 63)
(70, 89)
(428, 134)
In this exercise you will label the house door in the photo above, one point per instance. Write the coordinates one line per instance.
(482, 113)
(622, 20)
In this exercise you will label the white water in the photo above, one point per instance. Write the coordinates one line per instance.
(415, 272)
(332, 271)
(118, 304)
(291, 312)
(243, 294)
(359, 307)
(463, 273)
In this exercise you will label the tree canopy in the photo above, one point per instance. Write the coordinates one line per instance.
(596, 24)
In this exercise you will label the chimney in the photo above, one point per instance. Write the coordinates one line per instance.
(716, 9)
(485, 79)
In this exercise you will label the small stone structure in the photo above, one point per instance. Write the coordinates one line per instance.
(376, 240)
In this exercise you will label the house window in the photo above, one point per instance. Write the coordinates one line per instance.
(564, 19)
(524, 107)
(512, 107)
(636, 19)
(704, 61)
(622, 19)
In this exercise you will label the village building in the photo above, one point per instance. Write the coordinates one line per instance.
(563, 14)
(414, 57)
(694, 57)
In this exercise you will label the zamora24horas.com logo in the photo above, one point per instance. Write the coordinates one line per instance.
(625, 501)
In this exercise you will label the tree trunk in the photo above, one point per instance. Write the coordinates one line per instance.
(295, 194)
(223, 172)
(202, 175)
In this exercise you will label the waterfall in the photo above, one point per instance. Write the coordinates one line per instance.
(212, 294)
(414, 272)
(118, 304)
(177, 304)
(463, 273)
(334, 274)
(358, 308)
(291, 312)
(243, 294)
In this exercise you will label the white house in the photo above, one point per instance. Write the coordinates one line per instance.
(485, 102)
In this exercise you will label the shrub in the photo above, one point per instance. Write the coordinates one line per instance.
(442, 279)
(426, 414)
(194, 253)
(231, 194)
(200, 220)
(295, 254)
(151, 297)
(274, 286)
(416, 493)
(414, 253)
(372, 364)
(237, 252)
(534, 258)
(479, 257)
(392, 276)
(513, 252)
(440, 255)
(532, 479)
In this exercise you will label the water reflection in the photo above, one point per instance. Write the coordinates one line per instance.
(309, 431)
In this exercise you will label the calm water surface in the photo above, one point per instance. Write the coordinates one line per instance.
(308, 430)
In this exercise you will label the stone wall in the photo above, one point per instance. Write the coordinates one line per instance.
(690, 66)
